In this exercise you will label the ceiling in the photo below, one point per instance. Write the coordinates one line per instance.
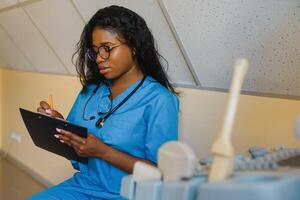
(200, 39)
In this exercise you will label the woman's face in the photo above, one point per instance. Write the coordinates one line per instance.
(120, 62)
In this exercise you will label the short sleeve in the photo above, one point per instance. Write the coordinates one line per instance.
(74, 110)
(162, 124)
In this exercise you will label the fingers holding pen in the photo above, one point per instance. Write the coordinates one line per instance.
(56, 114)
(45, 108)
(41, 110)
(44, 105)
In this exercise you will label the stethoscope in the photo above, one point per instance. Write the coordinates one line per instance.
(100, 122)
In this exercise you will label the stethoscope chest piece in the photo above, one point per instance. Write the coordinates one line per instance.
(100, 122)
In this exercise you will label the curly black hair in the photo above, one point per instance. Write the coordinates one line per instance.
(133, 29)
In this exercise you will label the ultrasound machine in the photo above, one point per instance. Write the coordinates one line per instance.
(261, 174)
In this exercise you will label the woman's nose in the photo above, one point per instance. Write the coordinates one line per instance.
(99, 59)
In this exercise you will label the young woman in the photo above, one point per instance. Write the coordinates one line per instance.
(127, 104)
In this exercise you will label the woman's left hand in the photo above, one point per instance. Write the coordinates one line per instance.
(86, 147)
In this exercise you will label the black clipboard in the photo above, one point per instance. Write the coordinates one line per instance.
(42, 129)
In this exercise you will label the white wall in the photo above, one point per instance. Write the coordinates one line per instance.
(1, 107)
(260, 121)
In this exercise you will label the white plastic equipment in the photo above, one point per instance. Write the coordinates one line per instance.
(143, 171)
(176, 160)
(222, 149)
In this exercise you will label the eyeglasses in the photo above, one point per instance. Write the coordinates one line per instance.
(103, 51)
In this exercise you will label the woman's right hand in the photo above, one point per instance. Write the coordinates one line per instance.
(45, 109)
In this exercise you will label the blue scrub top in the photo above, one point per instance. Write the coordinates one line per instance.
(139, 127)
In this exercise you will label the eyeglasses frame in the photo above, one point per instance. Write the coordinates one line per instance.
(108, 51)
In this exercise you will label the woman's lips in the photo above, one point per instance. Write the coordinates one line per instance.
(104, 70)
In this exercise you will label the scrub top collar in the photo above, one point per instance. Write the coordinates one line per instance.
(123, 94)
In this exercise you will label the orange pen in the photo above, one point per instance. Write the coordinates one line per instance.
(51, 102)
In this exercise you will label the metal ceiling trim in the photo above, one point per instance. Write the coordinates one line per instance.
(77, 10)
(179, 42)
(243, 92)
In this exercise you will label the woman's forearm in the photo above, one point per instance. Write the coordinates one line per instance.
(120, 159)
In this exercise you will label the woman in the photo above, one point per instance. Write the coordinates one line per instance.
(127, 104)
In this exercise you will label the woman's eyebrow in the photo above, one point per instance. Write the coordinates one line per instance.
(105, 44)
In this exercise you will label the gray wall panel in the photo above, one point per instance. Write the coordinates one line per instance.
(29, 40)
(60, 24)
(6, 3)
(3, 63)
(12, 54)
(215, 32)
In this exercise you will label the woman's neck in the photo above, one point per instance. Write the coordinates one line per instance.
(126, 80)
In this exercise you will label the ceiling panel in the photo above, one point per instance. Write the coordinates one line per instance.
(60, 24)
(151, 12)
(215, 32)
(30, 41)
(12, 55)
(6, 3)
(3, 63)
